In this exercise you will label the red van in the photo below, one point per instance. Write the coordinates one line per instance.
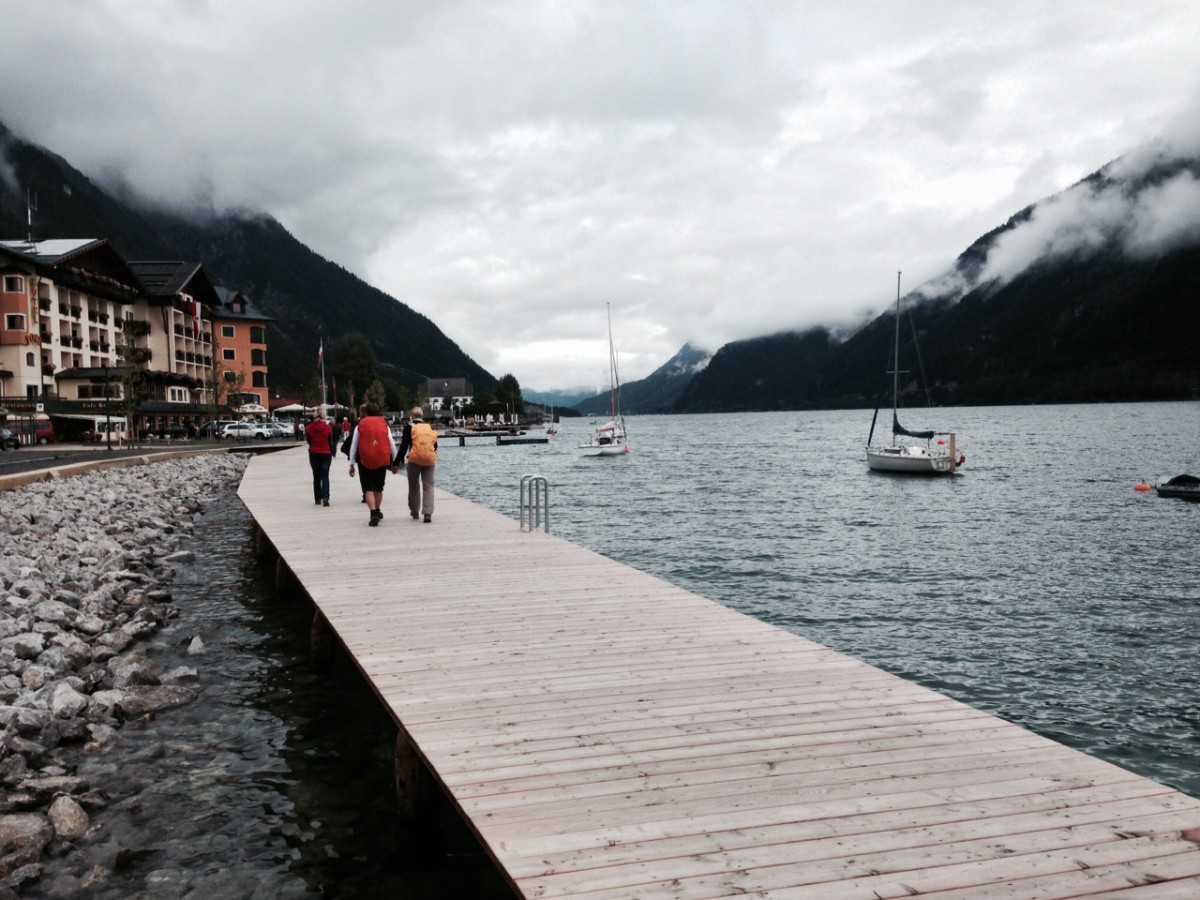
(41, 432)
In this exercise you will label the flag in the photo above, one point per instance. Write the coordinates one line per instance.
(196, 320)
(335, 399)
(321, 355)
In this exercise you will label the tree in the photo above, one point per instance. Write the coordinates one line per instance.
(354, 365)
(376, 394)
(398, 397)
(234, 384)
(133, 379)
(508, 392)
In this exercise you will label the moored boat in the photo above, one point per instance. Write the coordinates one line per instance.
(609, 439)
(908, 457)
(1183, 487)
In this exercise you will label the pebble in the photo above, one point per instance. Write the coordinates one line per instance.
(84, 575)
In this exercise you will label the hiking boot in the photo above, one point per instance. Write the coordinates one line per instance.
(428, 518)
(376, 515)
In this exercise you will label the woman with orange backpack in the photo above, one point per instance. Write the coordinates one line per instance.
(419, 441)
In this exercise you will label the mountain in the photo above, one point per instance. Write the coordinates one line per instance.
(308, 297)
(657, 392)
(558, 399)
(1087, 296)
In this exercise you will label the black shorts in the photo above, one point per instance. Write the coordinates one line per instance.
(372, 479)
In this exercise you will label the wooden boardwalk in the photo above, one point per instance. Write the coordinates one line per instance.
(610, 735)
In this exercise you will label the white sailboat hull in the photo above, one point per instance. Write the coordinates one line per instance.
(606, 450)
(910, 460)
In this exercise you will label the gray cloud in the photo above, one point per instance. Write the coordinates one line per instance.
(714, 170)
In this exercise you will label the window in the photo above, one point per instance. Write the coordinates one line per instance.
(258, 357)
(228, 353)
(14, 322)
(177, 395)
(29, 360)
(228, 331)
(14, 284)
(259, 379)
(258, 335)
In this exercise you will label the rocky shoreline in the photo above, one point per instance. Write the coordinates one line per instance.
(84, 576)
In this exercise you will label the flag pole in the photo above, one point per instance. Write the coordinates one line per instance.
(321, 363)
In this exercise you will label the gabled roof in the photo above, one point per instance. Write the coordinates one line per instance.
(87, 263)
(230, 299)
(169, 279)
(50, 252)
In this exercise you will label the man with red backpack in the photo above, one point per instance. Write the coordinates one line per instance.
(419, 441)
(374, 449)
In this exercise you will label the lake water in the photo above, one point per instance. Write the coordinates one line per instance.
(1038, 585)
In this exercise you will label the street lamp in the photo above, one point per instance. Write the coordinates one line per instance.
(107, 414)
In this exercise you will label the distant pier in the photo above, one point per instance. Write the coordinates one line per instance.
(502, 438)
(610, 735)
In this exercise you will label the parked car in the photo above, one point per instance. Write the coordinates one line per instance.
(214, 428)
(247, 430)
(8, 440)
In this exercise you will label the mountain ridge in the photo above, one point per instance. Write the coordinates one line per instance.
(308, 297)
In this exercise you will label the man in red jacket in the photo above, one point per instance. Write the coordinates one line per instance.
(321, 449)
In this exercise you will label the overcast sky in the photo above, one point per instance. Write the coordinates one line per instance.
(714, 170)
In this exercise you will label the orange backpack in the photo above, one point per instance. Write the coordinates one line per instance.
(374, 448)
(424, 446)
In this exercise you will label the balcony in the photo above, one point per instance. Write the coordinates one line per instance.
(137, 327)
(47, 336)
(102, 318)
(47, 368)
(77, 343)
(105, 346)
(94, 345)
(63, 309)
(76, 312)
(44, 304)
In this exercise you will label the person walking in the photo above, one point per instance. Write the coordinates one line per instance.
(322, 446)
(419, 442)
(373, 448)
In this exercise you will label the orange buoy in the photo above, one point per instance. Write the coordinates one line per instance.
(1141, 487)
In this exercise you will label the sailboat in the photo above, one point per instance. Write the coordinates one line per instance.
(609, 438)
(908, 456)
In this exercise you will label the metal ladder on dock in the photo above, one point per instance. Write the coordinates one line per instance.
(535, 503)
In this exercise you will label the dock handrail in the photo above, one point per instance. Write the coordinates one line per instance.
(535, 503)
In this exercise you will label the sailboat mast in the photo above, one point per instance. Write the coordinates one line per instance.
(612, 369)
(896, 356)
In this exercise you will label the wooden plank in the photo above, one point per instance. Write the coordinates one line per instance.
(640, 741)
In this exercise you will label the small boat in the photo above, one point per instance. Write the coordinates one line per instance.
(1184, 487)
(907, 457)
(609, 438)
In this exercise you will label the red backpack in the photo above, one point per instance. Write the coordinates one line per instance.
(374, 448)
